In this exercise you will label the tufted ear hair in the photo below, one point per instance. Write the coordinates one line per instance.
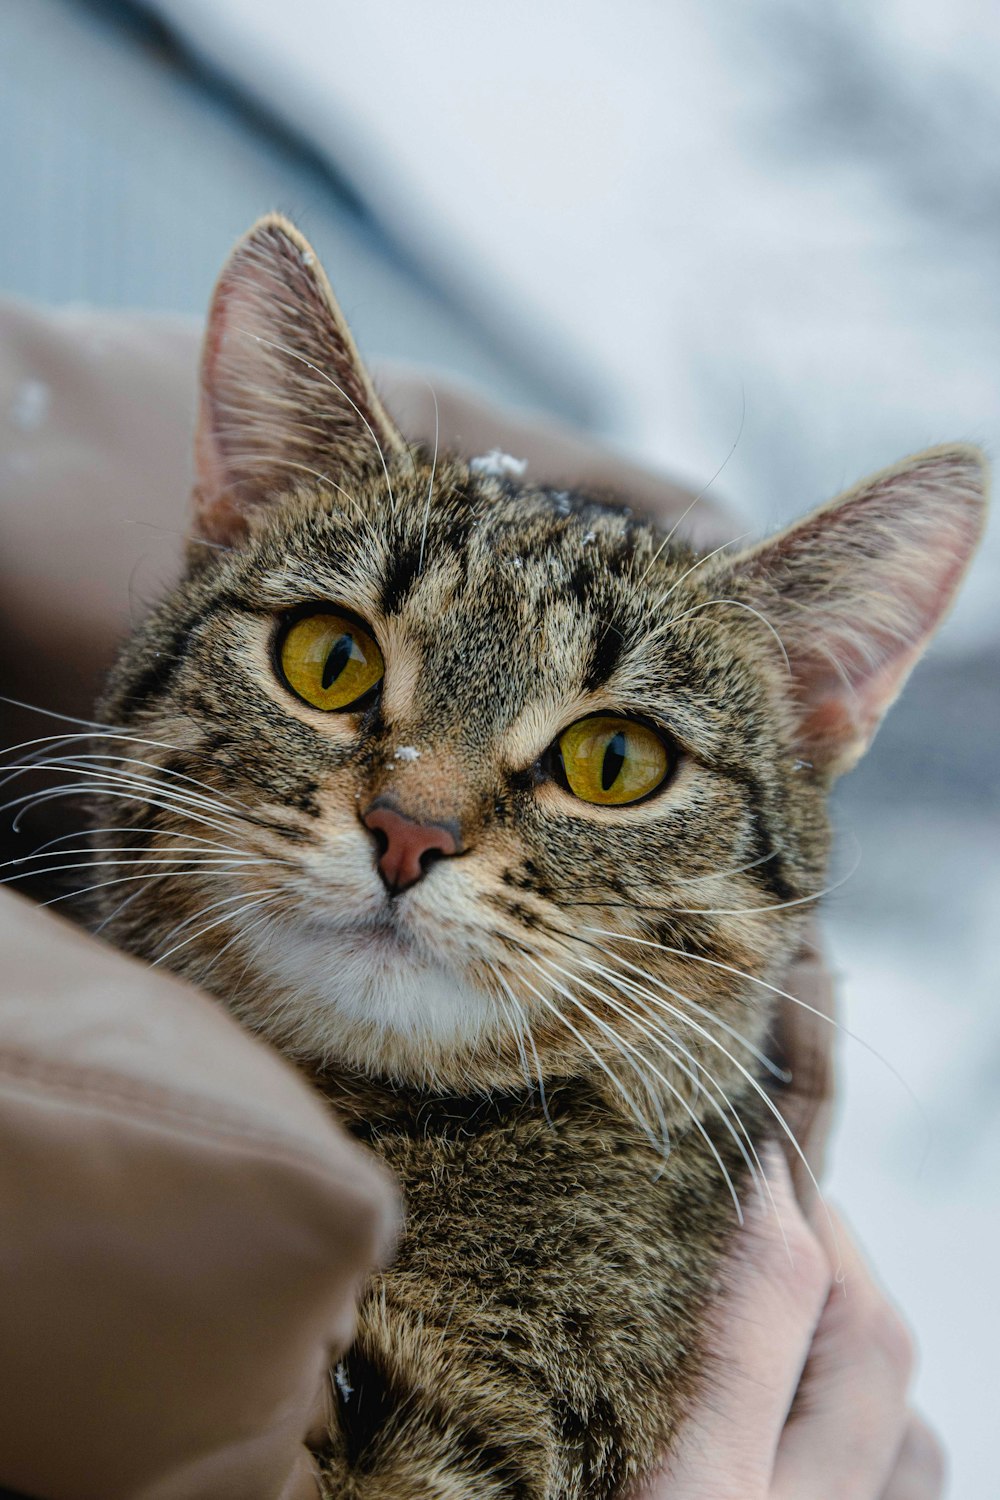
(283, 394)
(856, 590)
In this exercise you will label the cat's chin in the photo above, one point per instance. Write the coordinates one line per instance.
(367, 997)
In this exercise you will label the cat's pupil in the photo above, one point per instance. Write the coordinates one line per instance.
(614, 759)
(340, 655)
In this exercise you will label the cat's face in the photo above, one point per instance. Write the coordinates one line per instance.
(486, 781)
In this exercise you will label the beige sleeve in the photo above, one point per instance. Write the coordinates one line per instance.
(184, 1231)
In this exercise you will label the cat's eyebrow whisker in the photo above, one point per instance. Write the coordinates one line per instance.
(293, 354)
(696, 565)
(430, 487)
(700, 495)
(660, 1039)
(737, 604)
(271, 460)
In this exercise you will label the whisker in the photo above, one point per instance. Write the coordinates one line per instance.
(700, 495)
(75, 761)
(510, 1025)
(125, 880)
(737, 604)
(750, 911)
(254, 926)
(170, 833)
(761, 1093)
(774, 989)
(642, 1123)
(228, 916)
(545, 969)
(520, 1011)
(91, 864)
(272, 460)
(203, 912)
(696, 565)
(781, 1075)
(430, 487)
(754, 1165)
(31, 800)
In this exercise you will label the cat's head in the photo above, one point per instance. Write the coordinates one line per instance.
(467, 780)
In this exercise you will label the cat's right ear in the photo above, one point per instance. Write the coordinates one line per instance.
(284, 395)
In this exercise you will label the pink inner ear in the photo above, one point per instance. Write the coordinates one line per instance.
(284, 392)
(217, 514)
(857, 589)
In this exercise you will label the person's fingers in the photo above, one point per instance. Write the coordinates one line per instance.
(777, 1283)
(803, 1040)
(850, 1415)
(920, 1469)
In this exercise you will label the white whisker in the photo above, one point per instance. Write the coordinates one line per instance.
(661, 1042)
(737, 604)
(430, 487)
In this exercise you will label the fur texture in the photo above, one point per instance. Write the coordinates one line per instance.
(524, 1032)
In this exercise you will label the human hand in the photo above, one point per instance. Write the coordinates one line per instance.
(806, 1395)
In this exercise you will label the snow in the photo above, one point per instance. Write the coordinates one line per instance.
(499, 464)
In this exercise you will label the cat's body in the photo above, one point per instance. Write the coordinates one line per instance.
(540, 1332)
(517, 971)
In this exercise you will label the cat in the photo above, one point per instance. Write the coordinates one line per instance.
(500, 811)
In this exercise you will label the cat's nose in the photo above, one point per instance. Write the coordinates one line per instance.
(406, 847)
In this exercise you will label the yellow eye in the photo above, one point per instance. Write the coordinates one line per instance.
(612, 761)
(329, 660)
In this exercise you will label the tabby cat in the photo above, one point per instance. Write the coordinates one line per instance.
(500, 811)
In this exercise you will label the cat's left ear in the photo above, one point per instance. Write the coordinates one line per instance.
(284, 395)
(856, 590)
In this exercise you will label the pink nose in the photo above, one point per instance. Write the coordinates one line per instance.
(407, 849)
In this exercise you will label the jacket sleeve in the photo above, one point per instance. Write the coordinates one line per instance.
(183, 1231)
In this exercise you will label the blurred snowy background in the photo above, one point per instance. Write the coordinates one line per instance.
(758, 236)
